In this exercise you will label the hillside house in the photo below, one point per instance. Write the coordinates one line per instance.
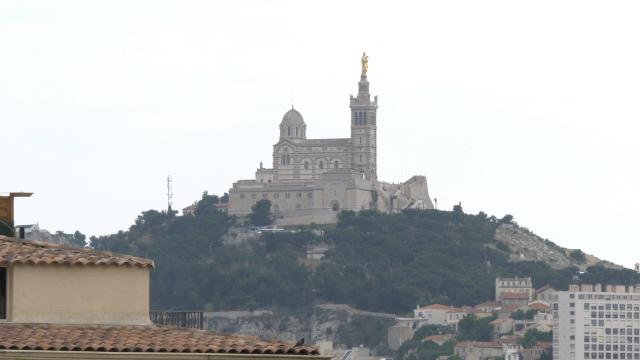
(438, 314)
(478, 350)
(514, 285)
(488, 307)
(501, 327)
(536, 351)
(60, 302)
(435, 314)
(514, 298)
(545, 294)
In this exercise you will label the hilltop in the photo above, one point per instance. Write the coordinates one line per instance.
(374, 261)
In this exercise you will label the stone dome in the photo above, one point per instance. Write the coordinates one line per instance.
(292, 125)
(292, 118)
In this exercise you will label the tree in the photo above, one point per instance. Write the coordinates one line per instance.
(79, 239)
(578, 256)
(532, 336)
(507, 219)
(261, 213)
(472, 328)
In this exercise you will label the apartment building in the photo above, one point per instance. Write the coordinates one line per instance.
(597, 322)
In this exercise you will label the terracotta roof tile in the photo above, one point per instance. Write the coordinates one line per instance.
(543, 288)
(14, 251)
(539, 306)
(514, 296)
(113, 338)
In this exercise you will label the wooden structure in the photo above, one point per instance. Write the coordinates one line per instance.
(7, 214)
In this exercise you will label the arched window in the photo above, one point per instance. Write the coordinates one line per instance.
(306, 165)
(288, 131)
(285, 157)
(296, 131)
(321, 164)
(336, 164)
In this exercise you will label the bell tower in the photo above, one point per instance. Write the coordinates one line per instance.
(363, 127)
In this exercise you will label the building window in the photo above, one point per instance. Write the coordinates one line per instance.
(276, 196)
(296, 131)
(253, 196)
(306, 165)
(299, 195)
(321, 164)
(288, 131)
(310, 195)
(336, 164)
(265, 196)
(3, 293)
(286, 195)
(241, 196)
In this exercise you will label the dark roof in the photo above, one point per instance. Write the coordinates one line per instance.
(14, 251)
(110, 338)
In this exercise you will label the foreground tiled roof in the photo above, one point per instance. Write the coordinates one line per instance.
(14, 251)
(112, 338)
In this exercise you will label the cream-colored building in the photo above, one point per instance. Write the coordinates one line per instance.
(59, 302)
(312, 179)
(511, 286)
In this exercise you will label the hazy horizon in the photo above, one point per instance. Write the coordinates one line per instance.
(510, 108)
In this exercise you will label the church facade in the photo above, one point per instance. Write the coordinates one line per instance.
(311, 180)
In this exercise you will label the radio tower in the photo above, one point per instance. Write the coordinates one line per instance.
(169, 193)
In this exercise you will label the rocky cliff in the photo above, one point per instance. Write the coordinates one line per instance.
(345, 326)
(524, 245)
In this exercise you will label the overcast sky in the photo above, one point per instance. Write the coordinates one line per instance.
(527, 108)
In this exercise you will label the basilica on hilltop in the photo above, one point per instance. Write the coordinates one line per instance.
(311, 180)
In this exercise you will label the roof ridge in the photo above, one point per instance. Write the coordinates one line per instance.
(35, 257)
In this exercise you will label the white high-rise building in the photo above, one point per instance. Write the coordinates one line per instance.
(596, 322)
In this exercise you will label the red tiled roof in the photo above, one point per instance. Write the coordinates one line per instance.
(112, 338)
(514, 296)
(479, 344)
(436, 307)
(511, 308)
(488, 304)
(543, 288)
(544, 344)
(14, 251)
(539, 306)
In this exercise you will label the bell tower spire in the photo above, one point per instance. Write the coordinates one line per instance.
(363, 127)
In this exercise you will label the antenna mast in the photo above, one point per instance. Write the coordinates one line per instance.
(169, 192)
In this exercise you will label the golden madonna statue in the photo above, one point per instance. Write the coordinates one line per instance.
(365, 63)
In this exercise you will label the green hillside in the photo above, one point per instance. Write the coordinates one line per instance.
(377, 262)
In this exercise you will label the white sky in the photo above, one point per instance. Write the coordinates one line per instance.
(528, 108)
